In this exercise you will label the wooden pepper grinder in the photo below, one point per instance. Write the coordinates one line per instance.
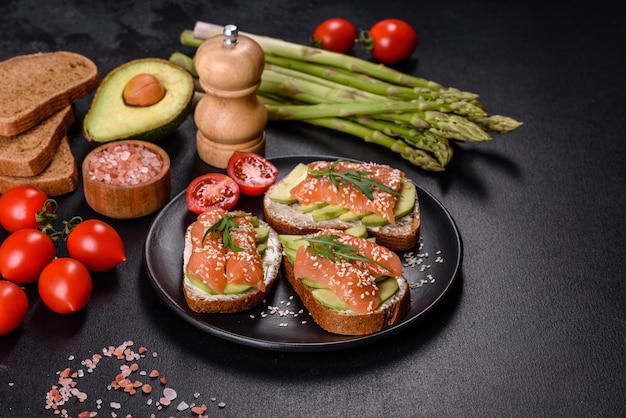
(230, 117)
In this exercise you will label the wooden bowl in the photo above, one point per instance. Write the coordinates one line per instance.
(127, 179)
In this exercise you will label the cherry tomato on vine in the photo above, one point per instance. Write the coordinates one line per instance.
(335, 34)
(24, 254)
(96, 244)
(253, 173)
(65, 285)
(13, 306)
(211, 190)
(19, 205)
(390, 41)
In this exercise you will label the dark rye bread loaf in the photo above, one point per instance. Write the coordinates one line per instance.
(35, 87)
(31, 152)
(60, 177)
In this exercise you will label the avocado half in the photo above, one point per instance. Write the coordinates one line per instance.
(110, 119)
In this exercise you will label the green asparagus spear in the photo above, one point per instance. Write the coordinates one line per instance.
(204, 30)
(438, 145)
(298, 112)
(417, 157)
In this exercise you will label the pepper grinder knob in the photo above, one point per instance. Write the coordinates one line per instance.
(230, 117)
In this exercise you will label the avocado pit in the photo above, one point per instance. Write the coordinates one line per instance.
(143, 90)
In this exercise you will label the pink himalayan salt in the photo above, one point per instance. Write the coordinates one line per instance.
(124, 165)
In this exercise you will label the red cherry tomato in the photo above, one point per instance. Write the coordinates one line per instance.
(96, 244)
(211, 190)
(13, 306)
(24, 254)
(391, 41)
(253, 173)
(335, 34)
(65, 285)
(18, 207)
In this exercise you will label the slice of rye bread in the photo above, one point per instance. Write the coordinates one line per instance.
(30, 152)
(389, 313)
(34, 87)
(60, 177)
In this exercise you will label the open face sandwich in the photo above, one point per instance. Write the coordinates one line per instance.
(230, 261)
(349, 284)
(343, 194)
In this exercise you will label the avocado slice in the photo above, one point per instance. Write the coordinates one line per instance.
(359, 231)
(406, 202)
(350, 216)
(235, 288)
(282, 192)
(313, 284)
(261, 247)
(312, 206)
(291, 241)
(403, 207)
(330, 299)
(387, 288)
(262, 234)
(290, 253)
(328, 212)
(110, 118)
(374, 220)
(229, 289)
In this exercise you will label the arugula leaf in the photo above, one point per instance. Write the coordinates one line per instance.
(327, 246)
(224, 226)
(361, 179)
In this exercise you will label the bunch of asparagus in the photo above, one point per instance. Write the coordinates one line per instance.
(411, 116)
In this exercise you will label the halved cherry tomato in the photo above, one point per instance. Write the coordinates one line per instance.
(96, 244)
(253, 173)
(13, 306)
(211, 190)
(24, 254)
(390, 41)
(18, 207)
(65, 285)
(335, 34)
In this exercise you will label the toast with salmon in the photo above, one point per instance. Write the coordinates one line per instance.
(343, 194)
(350, 285)
(230, 261)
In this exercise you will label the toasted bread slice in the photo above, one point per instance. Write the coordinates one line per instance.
(30, 152)
(389, 313)
(290, 219)
(203, 302)
(34, 87)
(60, 177)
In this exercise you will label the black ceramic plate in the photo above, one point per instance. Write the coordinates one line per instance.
(280, 322)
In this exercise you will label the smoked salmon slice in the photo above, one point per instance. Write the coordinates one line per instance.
(354, 281)
(384, 262)
(208, 255)
(216, 264)
(316, 189)
(245, 266)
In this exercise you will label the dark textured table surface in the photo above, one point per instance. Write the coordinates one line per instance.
(535, 323)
